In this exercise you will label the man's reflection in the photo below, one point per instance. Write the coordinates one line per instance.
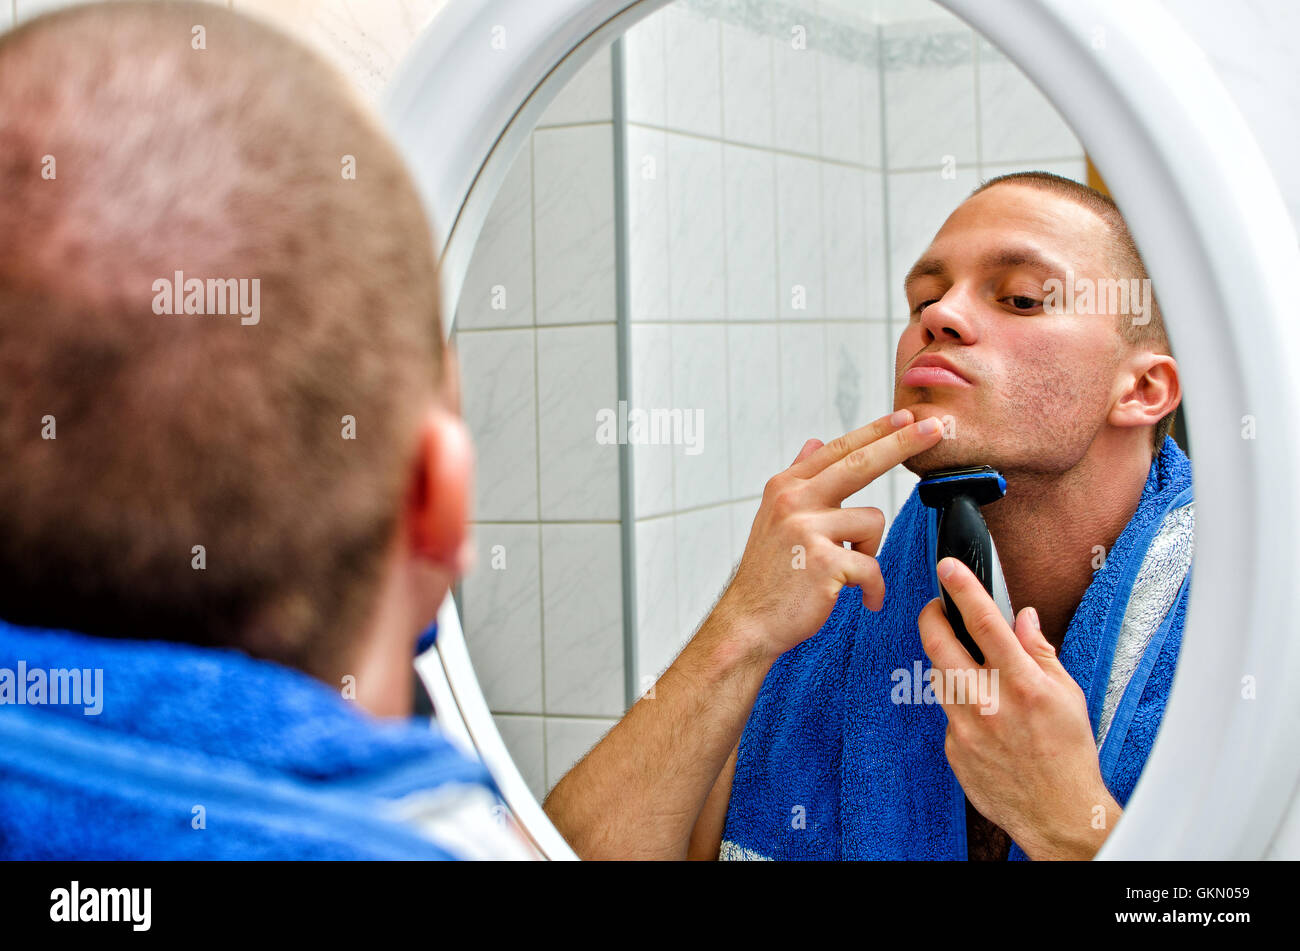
(777, 732)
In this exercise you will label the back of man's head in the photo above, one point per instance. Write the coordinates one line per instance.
(139, 140)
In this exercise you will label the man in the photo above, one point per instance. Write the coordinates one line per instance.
(235, 480)
(782, 733)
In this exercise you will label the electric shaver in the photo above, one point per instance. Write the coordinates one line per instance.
(958, 495)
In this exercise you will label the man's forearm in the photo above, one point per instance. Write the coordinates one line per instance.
(638, 793)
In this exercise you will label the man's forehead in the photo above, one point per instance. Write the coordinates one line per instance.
(1023, 217)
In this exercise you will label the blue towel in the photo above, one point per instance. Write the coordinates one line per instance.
(830, 767)
(271, 763)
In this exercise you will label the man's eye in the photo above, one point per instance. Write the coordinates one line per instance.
(923, 305)
(1023, 303)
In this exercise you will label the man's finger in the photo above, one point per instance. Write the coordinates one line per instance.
(939, 641)
(858, 524)
(950, 664)
(864, 465)
(841, 446)
(984, 621)
(1029, 632)
(863, 571)
(808, 449)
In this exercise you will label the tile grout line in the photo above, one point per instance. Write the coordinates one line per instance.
(623, 382)
(776, 248)
(740, 143)
(866, 243)
(672, 315)
(886, 229)
(726, 276)
(821, 244)
(537, 453)
(723, 321)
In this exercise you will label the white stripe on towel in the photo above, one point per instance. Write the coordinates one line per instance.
(731, 852)
(1154, 591)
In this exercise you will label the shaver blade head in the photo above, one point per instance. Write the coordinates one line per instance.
(961, 533)
(981, 484)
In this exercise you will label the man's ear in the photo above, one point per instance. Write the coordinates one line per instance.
(438, 506)
(1149, 391)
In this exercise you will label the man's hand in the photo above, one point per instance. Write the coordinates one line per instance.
(1027, 761)
(794, 563)
(642, 791)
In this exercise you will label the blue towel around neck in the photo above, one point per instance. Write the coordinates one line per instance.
(830, 766)
(201, 753)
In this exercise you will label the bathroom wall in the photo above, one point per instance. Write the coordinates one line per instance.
(536, 334)
(756, 272)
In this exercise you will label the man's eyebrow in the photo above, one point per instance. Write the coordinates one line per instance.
(1020, 257)
(1000, 258)
(926, 267)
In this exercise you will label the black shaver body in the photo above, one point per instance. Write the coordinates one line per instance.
(963, 534)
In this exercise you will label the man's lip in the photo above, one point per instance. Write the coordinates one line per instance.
(932, 376)
(933, 370)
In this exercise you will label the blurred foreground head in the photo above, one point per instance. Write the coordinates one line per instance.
(157, 158)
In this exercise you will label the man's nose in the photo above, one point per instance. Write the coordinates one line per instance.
(947, 319)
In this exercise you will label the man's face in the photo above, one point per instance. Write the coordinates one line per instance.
(1037, 386)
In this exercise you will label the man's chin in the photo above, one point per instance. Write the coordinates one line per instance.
(947, 454)
(950, 452)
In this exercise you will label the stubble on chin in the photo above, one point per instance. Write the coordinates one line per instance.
(947, 454)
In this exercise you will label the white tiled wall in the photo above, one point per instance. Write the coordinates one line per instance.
(768, 232)
(576, 379)
(929, 95)
(535, 330)
(573, 222)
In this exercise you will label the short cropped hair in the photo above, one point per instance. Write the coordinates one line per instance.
(1125, 262)
(192, 477)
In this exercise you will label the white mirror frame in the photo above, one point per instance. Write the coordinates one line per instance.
(1221, 249)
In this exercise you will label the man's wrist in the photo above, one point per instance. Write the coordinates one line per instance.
(1080, 836)
(733, 643)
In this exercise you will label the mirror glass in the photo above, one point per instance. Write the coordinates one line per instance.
(694, 265)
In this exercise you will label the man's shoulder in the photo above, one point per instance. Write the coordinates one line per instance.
(466, 818)
(200, 754)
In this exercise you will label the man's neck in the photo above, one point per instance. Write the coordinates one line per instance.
(382, 653)
(1053, 532)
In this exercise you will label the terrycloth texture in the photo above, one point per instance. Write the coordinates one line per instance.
(830, 767)
(282, 766)
(1157, 588)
